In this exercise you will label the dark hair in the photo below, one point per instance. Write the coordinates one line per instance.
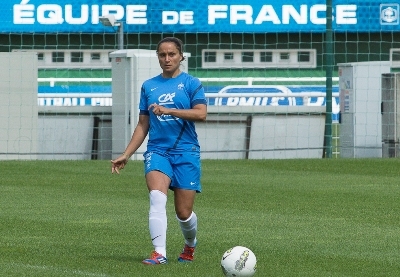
(178, 43)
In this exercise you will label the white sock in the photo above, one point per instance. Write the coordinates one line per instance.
(189, 229)
(158, 221)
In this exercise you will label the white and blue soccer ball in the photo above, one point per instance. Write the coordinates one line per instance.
(239, 261)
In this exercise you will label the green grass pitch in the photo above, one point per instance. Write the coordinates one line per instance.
(323, 217)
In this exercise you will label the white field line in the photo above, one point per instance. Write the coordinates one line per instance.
(57, 270)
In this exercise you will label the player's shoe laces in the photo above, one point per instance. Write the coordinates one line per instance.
(155, 258)
(187, 254)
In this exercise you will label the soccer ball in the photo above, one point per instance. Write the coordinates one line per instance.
(239, 261)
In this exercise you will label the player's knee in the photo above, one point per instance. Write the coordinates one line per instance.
(183, 215)
(158, 201)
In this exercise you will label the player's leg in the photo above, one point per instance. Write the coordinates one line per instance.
(186, 184)
(157, 183)
(184, 200)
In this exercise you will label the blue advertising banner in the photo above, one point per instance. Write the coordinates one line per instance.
(100, 95)
(193, 16)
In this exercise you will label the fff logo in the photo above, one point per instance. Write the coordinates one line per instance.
(389, 14)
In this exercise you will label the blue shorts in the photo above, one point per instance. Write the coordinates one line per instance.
(184, 169)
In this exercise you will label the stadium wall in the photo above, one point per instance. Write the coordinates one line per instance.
(82, 133)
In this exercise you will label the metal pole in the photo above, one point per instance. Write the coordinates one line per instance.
(121, 36)
(329, 70)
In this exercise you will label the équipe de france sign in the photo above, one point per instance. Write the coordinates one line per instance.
(69, 16)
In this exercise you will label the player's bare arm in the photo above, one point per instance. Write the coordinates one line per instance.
(137, 139)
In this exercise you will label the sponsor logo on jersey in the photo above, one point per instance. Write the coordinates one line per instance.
(166, 98)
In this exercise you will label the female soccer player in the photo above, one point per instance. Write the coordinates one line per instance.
(170, 103)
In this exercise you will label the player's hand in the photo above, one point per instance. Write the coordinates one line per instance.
(158, 109)
(119, 163)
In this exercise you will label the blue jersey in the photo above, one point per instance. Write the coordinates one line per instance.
(168, 133)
